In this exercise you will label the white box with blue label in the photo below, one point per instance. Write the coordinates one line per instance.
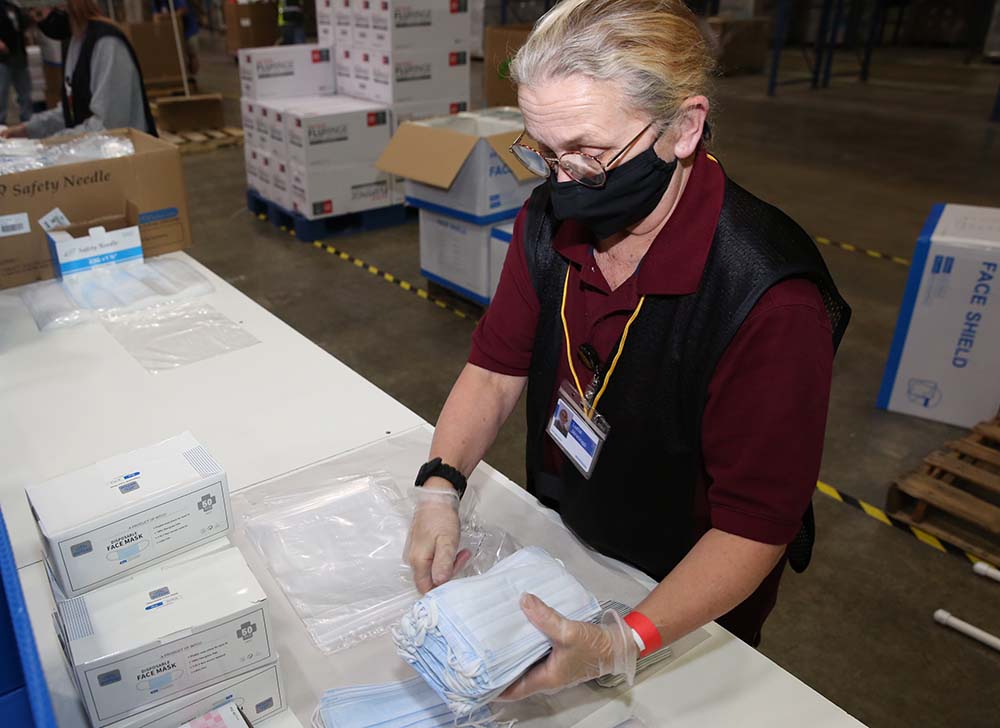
(456, 254)
(259, 693)
(120, 515)
(944, 363)
(461, 165)
(500, 239)
(97, 243)
(165, 632)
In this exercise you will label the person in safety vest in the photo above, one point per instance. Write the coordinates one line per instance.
(675, 334)
(102, 84)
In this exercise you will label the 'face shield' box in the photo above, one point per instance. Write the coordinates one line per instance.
(122, 514)
(165, 633)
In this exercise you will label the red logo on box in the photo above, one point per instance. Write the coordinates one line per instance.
(281, 167)
(364, 57)
(298, 122)
(452, 59)
(454, 108)
(454, 6)
(372, 118)
(277, 116)
(347, 54)
(385, 5)
(385, 60)
(328, 206)
(317, 56)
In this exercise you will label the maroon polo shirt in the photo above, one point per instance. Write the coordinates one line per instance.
(763, 425)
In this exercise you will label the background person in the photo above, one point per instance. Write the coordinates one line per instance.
(102, 85)
(188, 25)
(716, 315)
(292, 22)
(14, 60)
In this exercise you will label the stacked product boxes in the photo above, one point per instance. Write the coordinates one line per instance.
(159, 618)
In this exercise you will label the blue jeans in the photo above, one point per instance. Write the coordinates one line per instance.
(19, 77)
(293, 34)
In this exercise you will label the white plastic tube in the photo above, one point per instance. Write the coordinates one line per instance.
(984, 569)
(945, 618)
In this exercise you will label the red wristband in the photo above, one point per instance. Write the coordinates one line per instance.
(646, 630)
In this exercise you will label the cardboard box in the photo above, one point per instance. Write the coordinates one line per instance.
(165, 632)
(248, 117)
(500, 239)
(344, 70)
(190, 113)
(399, 24)
(337, 130)
(122, 514)
(259, 693)
(417, 75)
(281, 183)
(273, 114)
(265, 172)
(502, 42)
(361, 21)
(324, 191)
(456, 254)
(251, 25)
(361, 74)
(944, 363)
(417, 111)
(96, 243)
(460, 165)
(343, 23)
(742, 43)
(292, 70)
(151, 179)
(156, 50)
(251, 160)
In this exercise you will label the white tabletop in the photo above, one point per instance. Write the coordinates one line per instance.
(73, 396)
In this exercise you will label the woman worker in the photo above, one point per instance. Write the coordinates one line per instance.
(102, 87)
(690, 326)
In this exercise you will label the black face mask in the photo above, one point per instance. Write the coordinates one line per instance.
(56, 25)
(631, 192)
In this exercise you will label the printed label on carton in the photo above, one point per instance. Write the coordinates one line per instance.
(179, 666)
(16, 224)
(112, 550)
(409, 71)
(406, 17)
(371, 191)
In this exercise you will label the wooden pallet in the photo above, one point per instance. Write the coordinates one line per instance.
(204, 140)
(956, 493)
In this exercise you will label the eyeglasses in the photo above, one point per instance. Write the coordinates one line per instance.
(583, 168)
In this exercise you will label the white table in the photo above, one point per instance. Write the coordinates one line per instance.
(73, 396)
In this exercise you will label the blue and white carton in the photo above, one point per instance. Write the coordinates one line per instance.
(164, 633)
(944, 363)
(120, 515)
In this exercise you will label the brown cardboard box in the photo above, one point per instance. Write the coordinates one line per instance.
(502, 42)
(151, 179)
(190, 113)
(156, 50)
(742, 43)
(251, 26)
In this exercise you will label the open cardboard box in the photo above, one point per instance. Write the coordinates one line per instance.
(460, 165)
(151, 179)
(126, 218)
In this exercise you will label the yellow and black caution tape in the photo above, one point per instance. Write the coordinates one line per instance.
(889, 520)
(905, 262)
(396, 281)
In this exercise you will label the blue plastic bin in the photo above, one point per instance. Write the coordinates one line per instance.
(24, 696)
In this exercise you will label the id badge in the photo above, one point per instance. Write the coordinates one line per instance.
(580, 437)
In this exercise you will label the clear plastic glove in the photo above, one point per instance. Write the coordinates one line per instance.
(432, 545)
(581, 651)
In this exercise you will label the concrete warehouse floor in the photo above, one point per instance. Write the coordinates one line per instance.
(855, 163)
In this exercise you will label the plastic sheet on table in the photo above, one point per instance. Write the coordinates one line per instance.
(173, 335)
(335, 547)
(113, 289)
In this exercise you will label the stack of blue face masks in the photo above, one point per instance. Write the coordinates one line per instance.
(469, 639)
(409, 704)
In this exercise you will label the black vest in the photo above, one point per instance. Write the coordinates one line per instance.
(79, 111)
(638, 505)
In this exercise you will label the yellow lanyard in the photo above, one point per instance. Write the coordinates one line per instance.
(614, 362)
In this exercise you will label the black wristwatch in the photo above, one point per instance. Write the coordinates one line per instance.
(437, 468)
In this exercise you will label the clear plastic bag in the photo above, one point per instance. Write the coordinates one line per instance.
(170, 336)
(118, 288)
(335, 547)
(19, 155)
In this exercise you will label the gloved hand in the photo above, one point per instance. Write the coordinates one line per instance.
(432, 544)
(581, 651)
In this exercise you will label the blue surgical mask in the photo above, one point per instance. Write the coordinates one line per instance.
(408, 704)
(469, 637)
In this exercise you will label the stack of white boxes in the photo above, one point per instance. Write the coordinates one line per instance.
(160, 619)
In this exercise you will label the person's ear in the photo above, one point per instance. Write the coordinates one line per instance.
(689, 126)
